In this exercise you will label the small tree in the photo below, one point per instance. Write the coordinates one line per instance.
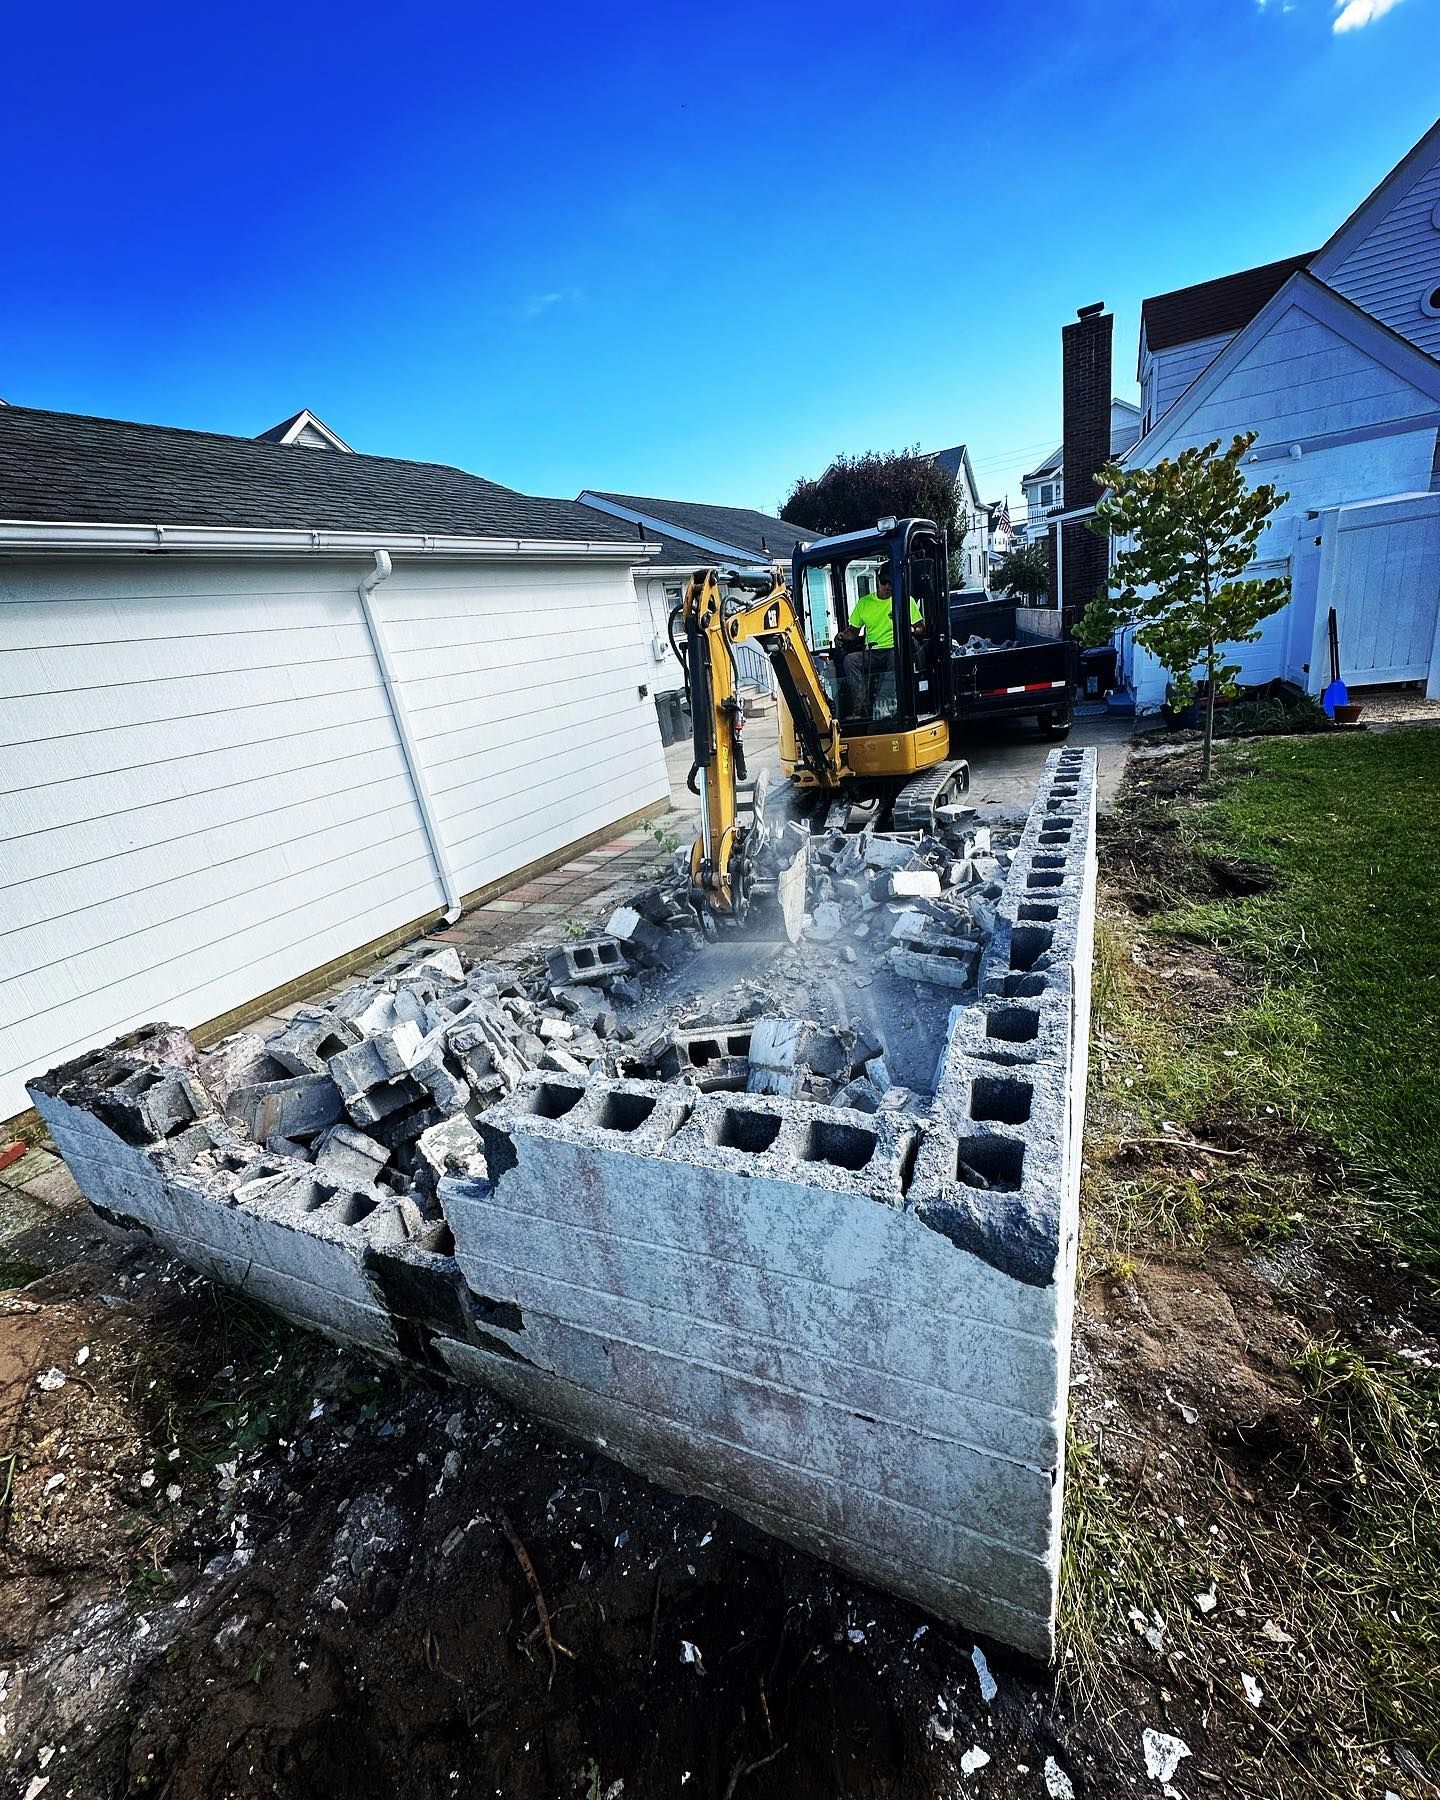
(1191, 527)
(856, 491)
(1025, 571)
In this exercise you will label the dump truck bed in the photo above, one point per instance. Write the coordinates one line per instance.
(1000, 668)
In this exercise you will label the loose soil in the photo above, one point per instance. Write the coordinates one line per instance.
(274, 1569)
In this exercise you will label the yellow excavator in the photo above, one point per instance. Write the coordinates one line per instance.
(862, 722)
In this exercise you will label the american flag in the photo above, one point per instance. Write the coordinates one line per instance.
(1001, 521)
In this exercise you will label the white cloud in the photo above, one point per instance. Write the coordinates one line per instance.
(533, 305)
(1352, 14)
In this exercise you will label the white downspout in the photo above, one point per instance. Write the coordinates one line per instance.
(368, 584)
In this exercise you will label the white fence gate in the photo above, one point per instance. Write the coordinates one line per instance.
(1380, 570)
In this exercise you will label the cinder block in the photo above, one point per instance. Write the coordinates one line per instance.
(293, 1108)
(311, 1038)
(588, 961)
(348, 1157)
(942, 962)
(376, 1059)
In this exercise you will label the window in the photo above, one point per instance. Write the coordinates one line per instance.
(1047, 495)
(1430, 303)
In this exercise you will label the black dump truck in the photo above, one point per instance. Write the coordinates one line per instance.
(1001, 668)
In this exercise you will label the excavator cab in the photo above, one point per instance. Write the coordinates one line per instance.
(890, 699)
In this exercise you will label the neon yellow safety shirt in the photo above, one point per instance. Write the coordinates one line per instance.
(874, 617)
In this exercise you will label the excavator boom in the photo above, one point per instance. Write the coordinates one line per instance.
(722, 859)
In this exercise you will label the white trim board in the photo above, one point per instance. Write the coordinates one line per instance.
(1380, 201)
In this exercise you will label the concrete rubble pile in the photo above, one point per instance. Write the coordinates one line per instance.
(976, 645)
(791, 1227)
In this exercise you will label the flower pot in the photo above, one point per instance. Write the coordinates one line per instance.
(1349, 714)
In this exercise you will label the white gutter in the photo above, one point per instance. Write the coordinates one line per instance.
(408, 749)
(28, 534)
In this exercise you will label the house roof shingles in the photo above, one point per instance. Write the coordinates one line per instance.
(65, 467)
(1211, 307)
(951, 460)
(756, 532)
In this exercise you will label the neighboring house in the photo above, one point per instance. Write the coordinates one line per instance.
(972, 553)
(693, 535)
(1334, 360)
(268, 704)
(1044, 486)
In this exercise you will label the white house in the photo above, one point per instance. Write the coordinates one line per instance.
(973, 550)
(1044, 486)
(1334, 359)
(266, 703)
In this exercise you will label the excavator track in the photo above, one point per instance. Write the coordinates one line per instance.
(914, 806)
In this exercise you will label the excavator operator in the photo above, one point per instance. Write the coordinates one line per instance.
(867, 645)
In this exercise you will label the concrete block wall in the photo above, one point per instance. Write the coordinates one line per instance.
(851, 1328)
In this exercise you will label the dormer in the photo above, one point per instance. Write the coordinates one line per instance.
(304, 428)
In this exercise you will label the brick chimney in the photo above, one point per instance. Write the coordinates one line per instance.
(1085, 399)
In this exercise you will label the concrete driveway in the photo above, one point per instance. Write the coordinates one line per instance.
(1005, 759)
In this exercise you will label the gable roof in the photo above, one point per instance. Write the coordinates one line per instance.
(65, 467)
(293, 429)
(735, 531)
(1377, 203)
(954, 459)
(1363, 329)
(1211, 307)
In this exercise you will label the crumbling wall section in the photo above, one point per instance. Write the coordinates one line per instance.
(854, 1330)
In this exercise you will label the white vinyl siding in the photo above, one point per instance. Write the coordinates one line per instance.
(202, 790)
(1397, 263)
(523, 692)
(1171, 371)
(1301, 379)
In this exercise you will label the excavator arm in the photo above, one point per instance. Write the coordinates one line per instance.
(723, 856)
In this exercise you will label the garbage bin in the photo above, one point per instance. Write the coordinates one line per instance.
(1097, 671)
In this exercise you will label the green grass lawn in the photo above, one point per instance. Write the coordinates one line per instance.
(1346, 1027)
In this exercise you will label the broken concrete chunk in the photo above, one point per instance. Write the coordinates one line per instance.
(904, 882)
(242, 1060)
(348, 1157)
(910, 926)
(632, 927)
(441, 965)
(311, 1038)
(859, 1094)
(447, 1090)
(381, 1102)
(941, 962)
(377, 1059)
(826, 922)
(153, 1102)
(295, 1108)
(774, 1052)
(896, 1099)
(452, 1148)
(887, 851)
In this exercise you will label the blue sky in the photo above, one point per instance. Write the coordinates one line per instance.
(691, 253)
